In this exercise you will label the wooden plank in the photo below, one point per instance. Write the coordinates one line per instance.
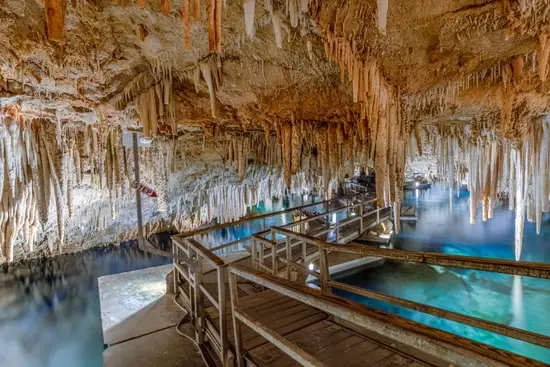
(287, 325)
(395, 361)
(344, 347)
(370, 357)
(330, 343)
(296, 353)
(431, 340)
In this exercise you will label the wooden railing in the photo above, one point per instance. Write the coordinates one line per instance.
(195, 296)
(539, 270)
(281, 250)
(190, 258)
(454, 349)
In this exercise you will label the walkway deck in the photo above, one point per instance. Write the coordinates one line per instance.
(314, 332)
(275, 320)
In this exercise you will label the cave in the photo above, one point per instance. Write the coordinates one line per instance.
(274, 183)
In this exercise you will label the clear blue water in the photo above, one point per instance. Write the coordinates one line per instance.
(518, 301)
(229, 234)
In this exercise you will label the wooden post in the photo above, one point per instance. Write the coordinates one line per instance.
(274, 253)
(222, 314)
(236, 323)
(288, 257)
(337, 229)
(361, 219)
(304, 252)
(198, 299)
(323, 269)
(262, 255)
(378, 216)
(253, 254)
(175, 275)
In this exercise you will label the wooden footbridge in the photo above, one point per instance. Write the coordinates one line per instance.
(250, 305)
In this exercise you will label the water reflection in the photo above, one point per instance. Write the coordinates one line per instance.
(49, 307)
(512, 300)
(518, 310)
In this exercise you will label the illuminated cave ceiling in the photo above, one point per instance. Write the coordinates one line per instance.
(433, 51)
(332, 84)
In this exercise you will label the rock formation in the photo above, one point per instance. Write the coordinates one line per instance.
(247, 99)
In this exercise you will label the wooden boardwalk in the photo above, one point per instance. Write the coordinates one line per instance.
(314, 332)
(308, 327)
(282, 322)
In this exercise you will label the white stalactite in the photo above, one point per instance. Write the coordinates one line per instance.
(249, 14)
(382, 11)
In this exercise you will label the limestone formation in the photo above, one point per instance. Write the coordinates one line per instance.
(245, 100)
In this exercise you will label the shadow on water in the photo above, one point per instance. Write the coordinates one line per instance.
(49, 307)
(517, 301)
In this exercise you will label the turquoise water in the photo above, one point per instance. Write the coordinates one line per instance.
(229, 234)
(517, 301)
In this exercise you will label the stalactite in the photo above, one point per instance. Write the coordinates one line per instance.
(214, 10)
(543, 53)
(249, 13)
(276, 20)
(55, 19)
(206, 68)
(165, 7)
(382, 11)
(515, 163)
(186, 24)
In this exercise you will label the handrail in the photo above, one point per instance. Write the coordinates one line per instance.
(509, 331)
(145, 245)
(332, 211)
(194, 274)
(408, 332)
(525, 268)
(261, 216)
(540, 270)
(204, 252)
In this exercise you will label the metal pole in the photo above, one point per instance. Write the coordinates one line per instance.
(138, 194)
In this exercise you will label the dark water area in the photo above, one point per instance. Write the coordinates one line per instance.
(49, 307)
(443, 226)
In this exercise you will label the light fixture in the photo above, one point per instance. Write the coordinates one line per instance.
(310, 266)
(417, 183)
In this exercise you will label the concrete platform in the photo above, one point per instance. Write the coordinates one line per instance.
(140, 319)
(163, 348)
(123, 295)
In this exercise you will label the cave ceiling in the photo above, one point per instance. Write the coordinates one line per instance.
(447, 58)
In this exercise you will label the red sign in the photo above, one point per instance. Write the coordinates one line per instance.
(144, 189)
